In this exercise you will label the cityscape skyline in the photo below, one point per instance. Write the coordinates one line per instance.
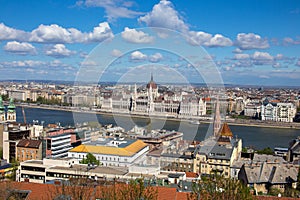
(254, 43)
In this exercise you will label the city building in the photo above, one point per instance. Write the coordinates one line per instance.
(148, 99)
(112, 152)
(252, 110)
(294, 150)
(12, 134)
(265, 176)
(217, 153)
(58, 142)
(276, 111)
(2, 111)
(28, 149)
(49, 170)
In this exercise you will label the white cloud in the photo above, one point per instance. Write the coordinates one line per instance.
(164, 15)
(198, 38)
(262, 58)
(114, 9)
(51, 34)
(100, 33)
(262, 55)
(7, 33)
(134, 36)
(290, 41)
(278, 65)
(89, 63)
(206, 39)
(241, 56)
(298, 63)
(59, 51)
(237, 50)
(155, 57)
(218, 41)
(22, 48)
(57, 34)
(116, 53)
(36, 64)
(279, 57)
(251, 41)
(24, 63)
(137, 56)
(264, 76)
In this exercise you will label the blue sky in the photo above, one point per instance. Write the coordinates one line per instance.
(251, 42)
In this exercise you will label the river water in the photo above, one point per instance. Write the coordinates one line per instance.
(257, 137)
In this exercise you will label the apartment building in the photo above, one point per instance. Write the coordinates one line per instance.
(281, 112)
(58, 142)
(217, 154)
(28, 149)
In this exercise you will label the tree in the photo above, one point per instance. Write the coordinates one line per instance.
(134, 190)
(74, 188)
(90, 159)
(217, 187)
(266, 150)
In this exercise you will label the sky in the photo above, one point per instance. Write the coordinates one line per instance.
(250, 42)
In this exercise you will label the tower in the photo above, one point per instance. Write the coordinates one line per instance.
(134, 98)
(153, 86)
(150, 100)
(217, 119)
(11, 111)
(2, 111)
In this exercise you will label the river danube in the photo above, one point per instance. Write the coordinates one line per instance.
(257, 137)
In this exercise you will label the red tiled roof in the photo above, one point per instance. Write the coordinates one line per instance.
(48, 191)
(29, 143)
(191, 175)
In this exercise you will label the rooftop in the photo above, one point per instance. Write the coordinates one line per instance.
(26, 143)
(127, 150)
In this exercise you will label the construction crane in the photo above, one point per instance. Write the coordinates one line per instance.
(24, 116)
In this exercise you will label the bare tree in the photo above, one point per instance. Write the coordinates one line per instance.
(217, 187)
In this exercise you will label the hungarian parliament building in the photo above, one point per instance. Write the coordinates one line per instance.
(150, 101)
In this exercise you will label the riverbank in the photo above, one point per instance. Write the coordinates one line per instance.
(236, 122)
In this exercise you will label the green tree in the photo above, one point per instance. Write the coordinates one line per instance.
(266, 150)
(15, 164)
(90, 159)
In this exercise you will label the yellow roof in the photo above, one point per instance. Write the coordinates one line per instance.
(111, 150)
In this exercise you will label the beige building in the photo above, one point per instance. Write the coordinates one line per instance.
(29, 150)
(217, 154)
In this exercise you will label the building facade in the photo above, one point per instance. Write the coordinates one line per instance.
(58, 142)
(28, 149)
(113, 152)
(280, 112)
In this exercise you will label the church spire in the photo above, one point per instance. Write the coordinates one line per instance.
(11, 112)
(151, 77)
(1, 105)
(217, 119)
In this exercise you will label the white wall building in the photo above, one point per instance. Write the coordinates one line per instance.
(281, 112)
(58, 143)
(113, 152)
